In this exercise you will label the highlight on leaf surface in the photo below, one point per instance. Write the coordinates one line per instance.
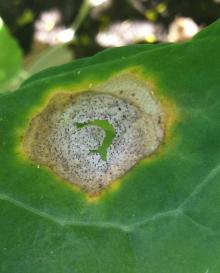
(94, 137)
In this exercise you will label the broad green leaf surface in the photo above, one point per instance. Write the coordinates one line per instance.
(10, 58)
(163, 215)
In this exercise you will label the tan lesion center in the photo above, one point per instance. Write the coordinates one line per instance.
(132, 128)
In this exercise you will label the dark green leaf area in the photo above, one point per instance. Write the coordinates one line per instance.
(41, 245)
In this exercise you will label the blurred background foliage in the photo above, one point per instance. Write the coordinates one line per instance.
(53, 32)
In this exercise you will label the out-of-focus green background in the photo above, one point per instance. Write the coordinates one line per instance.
(36, 34)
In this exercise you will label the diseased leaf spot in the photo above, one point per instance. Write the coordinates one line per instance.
(92, 138)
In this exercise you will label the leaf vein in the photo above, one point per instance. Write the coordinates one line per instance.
(124, 228)
(212, 174)
(199, 225)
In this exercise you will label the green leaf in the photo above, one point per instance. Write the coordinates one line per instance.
(10, 58)
(108, 138)
(162, 216)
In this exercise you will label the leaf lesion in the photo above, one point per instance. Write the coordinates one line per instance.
(92, 138)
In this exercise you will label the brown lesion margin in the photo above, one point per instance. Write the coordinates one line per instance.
(171, 118)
